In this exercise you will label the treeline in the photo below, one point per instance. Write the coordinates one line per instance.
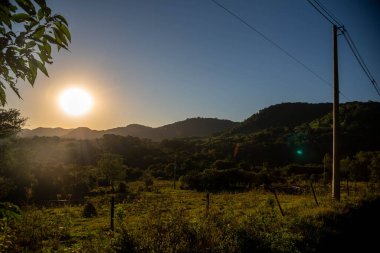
(40, 169)
(37, 169)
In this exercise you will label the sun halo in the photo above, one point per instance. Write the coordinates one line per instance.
(75, 101)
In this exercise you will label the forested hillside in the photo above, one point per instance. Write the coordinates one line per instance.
(282, 115)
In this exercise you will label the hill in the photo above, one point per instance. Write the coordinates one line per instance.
(302, 133)
(83, 133)
(193, 127)
(282, 115)
(44, 131)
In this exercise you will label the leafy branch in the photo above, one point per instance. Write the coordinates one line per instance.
(28, 30)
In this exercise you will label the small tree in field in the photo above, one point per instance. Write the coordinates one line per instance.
(148, 182)
(375, 167)
(111, 166)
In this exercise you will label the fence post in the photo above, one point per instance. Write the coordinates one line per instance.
(112, 211)
(207, 203)
(278, 202)
(315, 196)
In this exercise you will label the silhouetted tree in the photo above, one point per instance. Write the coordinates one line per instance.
(11, 122)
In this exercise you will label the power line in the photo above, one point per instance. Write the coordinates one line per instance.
(274, 44)
(329, 13)
(360, 60)
(324, 14)
(335, 21)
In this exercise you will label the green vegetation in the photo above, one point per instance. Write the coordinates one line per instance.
(64, 188)
(167, 220)
(11, 122)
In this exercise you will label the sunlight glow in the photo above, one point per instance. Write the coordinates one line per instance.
(75, 101)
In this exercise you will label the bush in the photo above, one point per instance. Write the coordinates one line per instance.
(166, 232)
(218, 180)
(148, 182)
(89, 210)
(122, 188)
(124, 242)
(36, 231)
(133, 174)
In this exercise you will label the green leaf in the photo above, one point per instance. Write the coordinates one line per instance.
(21, 17)
(27, 6)
(33, 72)
(33, 68)
(47, 48)
(54, 41)
(20, 40)
(39, 32)
(8, 22)
(61, 18)
(10, 211)
(43, 57)
(12, 84)
(31, 44)
(9, 56)
(59, 36)
(49, 38)
(3, 99)
(30, 80)
(40, 14)
(47, 11)
(41, 3)
(40, 66)
(64, 30)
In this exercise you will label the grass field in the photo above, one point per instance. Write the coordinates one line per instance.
(163, 218)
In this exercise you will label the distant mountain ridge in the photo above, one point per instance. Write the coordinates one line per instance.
(193, 127)
(284, 115)
(45, 131)
(281, 115)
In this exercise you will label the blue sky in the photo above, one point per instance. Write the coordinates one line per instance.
(160, 61)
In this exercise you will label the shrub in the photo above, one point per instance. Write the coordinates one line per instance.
(148, 182)
(218, 180)
(124, 242)
(89, 210)
(36, 231)
(122, 188)
(133, 174)
(166, 232)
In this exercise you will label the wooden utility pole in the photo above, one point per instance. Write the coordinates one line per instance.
(335, 175)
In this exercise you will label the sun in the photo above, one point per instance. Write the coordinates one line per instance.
(75, 101)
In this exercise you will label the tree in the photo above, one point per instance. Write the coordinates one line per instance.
(10, 122)
(28, 30)
(111, 166)
(375, 167)
(363, 160)
(327, 162)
